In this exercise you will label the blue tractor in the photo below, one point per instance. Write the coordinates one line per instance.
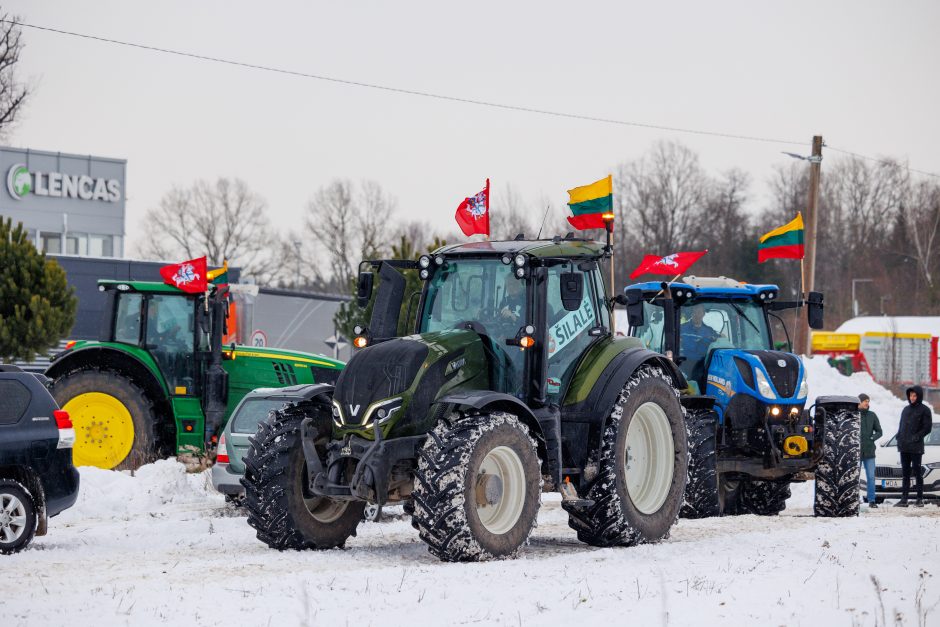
(751, 431)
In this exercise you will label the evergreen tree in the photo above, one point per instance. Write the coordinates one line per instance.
(37, 307)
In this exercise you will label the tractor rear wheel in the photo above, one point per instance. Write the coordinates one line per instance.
(644, 467)
(280, 506)
(114, 420)
(837, 476)
(477, 488)
(701, 494)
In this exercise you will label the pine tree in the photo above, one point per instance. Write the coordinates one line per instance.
(37, 307)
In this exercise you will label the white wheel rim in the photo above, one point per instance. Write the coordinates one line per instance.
(503, 463)
(12, 518)
(649, 458)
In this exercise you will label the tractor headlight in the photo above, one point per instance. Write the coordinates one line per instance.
(424, 261)
(804, 389)
(337, 415)
(381, 411)
(763, 385)
(519, 260)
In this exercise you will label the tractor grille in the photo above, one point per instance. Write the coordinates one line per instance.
(377, 372)
(285, 373)
(783, 377)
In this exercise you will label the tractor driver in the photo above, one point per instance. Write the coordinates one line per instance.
(695, 338)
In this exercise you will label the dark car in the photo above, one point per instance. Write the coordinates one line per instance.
(37, 477)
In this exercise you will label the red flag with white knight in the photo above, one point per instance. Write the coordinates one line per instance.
(473, 214)
(673, 264)
(189, 276)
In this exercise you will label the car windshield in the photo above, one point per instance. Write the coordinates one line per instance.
(254, 410)
(932, 439)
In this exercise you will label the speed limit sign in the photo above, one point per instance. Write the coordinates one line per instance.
(258, 338)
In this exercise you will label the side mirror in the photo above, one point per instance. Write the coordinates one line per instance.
(635, 308)
(572, 290)
(814, 310)
(364, 288)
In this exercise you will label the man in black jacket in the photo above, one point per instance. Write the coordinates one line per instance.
(916, 422)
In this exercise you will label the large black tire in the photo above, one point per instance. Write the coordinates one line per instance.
(758, 497)
(146, 446)
(18, 517)
(461, 517)
(701, 493)
(837, 476)
(280, 507)
(615, 518)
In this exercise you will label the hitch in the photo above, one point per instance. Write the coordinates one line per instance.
(308, 436)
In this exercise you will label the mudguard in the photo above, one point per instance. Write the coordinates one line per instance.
(146, 375)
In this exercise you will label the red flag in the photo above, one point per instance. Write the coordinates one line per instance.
(676, 263)
(189, 276)
(473, 214)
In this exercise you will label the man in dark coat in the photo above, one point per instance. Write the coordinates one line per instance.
(871, 431)
(916, 422)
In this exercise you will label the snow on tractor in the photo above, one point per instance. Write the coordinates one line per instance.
(750, 432)
(512, 384)
(159, 381)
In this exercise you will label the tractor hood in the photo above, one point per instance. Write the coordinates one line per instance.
(771, 376)
(394, 383)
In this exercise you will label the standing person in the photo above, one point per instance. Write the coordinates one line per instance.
(871, 431)
(915, 426)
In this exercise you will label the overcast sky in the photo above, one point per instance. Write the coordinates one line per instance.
(862, 74)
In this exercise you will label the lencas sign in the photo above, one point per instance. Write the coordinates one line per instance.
(21, 182)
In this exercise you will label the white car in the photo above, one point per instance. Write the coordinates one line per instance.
(888, 469)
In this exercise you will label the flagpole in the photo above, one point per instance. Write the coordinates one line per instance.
(487, 209)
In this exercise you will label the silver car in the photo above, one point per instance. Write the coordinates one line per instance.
(229, 466)
(888, 475)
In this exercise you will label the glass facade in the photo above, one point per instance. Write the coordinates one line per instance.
(82, 244)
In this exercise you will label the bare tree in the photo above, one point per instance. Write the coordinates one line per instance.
(660, 198)
(509, 215)
(222, 220)
(350, 225)
(921, 210)
(13, 92)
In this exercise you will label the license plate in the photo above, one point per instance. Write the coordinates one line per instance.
(890, 483)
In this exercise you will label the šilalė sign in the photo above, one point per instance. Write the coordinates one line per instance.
(22, 182)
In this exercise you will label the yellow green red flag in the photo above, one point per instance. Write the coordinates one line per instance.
(784, 242)
(589, 203)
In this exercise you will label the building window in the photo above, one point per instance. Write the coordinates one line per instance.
(100, 245)
(76, 244)
(50, 242)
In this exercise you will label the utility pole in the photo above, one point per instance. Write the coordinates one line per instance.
(804, 337)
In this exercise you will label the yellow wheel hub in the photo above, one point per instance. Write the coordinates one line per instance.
(104, 430)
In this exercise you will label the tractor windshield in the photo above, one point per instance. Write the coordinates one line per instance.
(475, 290)
(706, 325)
(483, 292)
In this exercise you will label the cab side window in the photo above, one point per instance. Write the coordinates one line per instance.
(127, 319)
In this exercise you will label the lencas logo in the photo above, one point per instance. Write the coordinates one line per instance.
(21, 182)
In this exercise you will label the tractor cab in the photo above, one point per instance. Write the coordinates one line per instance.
(718, 331)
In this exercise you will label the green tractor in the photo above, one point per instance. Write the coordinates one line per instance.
(159, 380)
(512, 384)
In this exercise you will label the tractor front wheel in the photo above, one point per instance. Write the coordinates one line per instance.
(644, 467)
(477, 488)
(280, 506)
(837, 476)
(115, 422)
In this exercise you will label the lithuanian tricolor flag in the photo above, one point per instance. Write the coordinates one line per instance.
(784, 242)
(589, 203)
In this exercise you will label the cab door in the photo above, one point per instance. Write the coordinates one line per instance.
(170, 337)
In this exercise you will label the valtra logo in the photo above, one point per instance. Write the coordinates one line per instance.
(19, 183)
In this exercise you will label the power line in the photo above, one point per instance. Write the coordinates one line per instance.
(449, 98)
(410, 92)
(882, 161)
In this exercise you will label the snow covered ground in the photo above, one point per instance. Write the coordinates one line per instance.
(162, 548)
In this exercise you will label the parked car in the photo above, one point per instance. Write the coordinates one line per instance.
(888, 469)
(37, 477)
(229, 467)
